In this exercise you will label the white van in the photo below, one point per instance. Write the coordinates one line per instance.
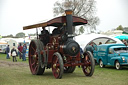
(3, 46)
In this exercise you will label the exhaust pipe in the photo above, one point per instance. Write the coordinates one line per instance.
(69, 22)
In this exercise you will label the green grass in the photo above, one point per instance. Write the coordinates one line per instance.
(3, 57)
(16, 75)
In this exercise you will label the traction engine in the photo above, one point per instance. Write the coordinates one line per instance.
(58, 50)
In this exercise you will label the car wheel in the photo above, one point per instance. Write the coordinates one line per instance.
(101, 64)
(117, 65)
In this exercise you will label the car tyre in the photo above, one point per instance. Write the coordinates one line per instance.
(117, 65)
(101, 64)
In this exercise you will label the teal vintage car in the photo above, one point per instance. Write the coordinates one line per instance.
(111, 54)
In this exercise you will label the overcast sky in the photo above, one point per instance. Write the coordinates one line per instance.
(112, 13)
(14, 14)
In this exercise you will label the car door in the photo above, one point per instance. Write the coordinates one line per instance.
(110, 55)
(102, 54)
(95, 52)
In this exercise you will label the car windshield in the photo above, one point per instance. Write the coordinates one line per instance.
(121, 50)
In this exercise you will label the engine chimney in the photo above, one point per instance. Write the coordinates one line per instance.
(69, 21)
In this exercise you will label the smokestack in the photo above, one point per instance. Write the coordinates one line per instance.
(69, 21)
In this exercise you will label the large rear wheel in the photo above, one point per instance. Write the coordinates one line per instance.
(34, 56)
(57, 66)
(89, 64)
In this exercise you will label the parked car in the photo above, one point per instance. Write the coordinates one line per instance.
(111, 54)
(3, 48)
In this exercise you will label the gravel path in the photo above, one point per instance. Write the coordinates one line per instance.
(12, 64)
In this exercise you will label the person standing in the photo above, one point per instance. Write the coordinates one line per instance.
(100, 43)
(24, 52)
(125, 42)
(7, 52)
(90, 47)
(20, 48)
(14, 54)
(81, 53)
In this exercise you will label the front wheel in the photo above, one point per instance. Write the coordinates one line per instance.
(57, 66)
(117, 65)
(101, 64)
(89, 64)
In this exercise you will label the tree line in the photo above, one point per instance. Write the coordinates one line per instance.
(18, 35)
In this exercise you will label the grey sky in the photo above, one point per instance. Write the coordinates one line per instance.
(112, 13)
(14, 14)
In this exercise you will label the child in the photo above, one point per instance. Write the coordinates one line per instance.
(14, 54)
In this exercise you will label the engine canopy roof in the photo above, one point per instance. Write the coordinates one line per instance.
(58, 22)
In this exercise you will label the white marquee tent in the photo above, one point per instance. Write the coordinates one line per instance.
(85, 39)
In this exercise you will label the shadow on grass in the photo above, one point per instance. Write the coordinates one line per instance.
(49, 75)
(113, 67)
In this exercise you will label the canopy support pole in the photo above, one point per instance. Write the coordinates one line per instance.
(37, 33)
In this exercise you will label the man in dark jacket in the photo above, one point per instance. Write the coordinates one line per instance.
(20, 48)
(24, 52)
(7, 52)
(90, 47)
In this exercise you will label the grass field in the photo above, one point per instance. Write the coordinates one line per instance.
(18, 73)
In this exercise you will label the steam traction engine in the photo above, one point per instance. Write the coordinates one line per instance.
(58, 50)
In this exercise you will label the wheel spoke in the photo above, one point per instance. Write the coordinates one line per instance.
(35, 68)
(88, 69)
(33, 49)
(31, 55)
(56, 60)
(88, 63)
(33, 63)
(86, 58)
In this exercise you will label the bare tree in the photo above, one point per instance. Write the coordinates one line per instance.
(82, 8)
